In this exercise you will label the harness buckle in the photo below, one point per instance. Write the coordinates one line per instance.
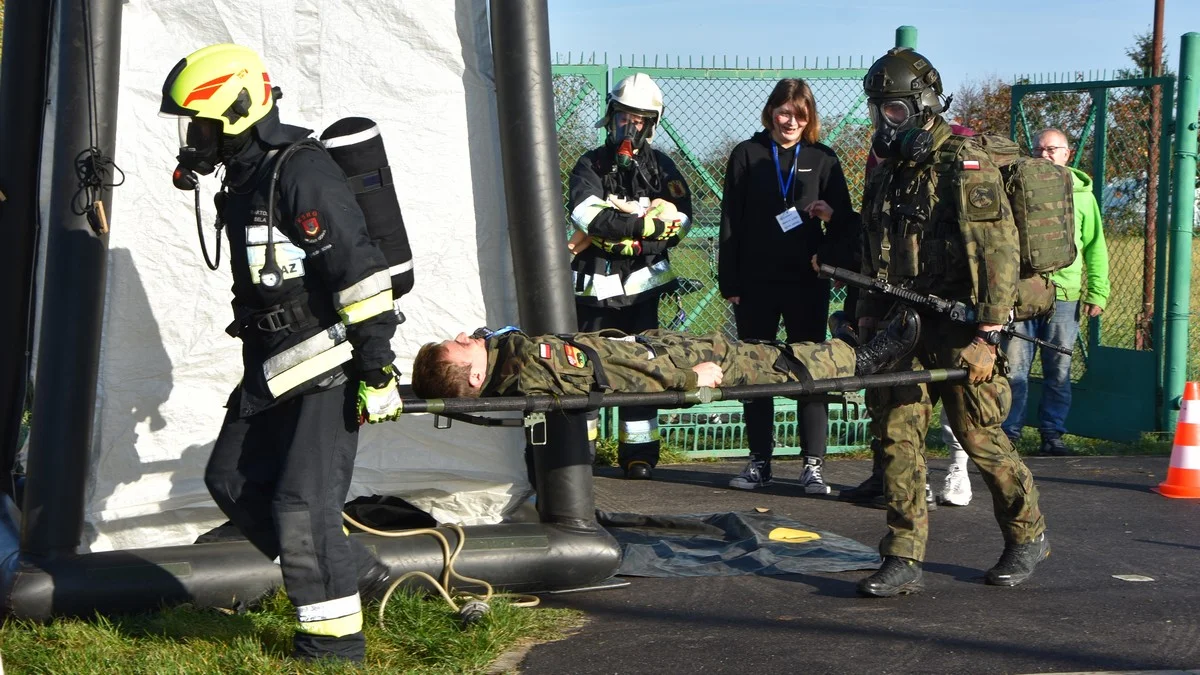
(536, 423)
(273, 321)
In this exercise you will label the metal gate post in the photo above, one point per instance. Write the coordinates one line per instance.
(1182, 226)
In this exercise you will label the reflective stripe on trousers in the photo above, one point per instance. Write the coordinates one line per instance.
(639, 431)
(332, 618)
(638, 282)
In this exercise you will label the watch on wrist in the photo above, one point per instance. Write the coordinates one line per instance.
(991, 337)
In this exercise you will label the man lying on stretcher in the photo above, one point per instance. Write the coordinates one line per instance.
(508, 362)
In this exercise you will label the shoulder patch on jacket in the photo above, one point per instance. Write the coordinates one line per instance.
(575, 356)
(310, 226)
(982, 196)
(676, 188)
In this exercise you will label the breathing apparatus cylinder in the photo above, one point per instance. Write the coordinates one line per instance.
(357, 147)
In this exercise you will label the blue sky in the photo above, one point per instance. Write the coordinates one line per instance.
(996, 39)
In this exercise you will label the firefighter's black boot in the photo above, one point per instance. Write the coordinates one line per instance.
(374, 584)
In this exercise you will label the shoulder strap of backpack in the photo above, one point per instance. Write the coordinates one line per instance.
(947, 154)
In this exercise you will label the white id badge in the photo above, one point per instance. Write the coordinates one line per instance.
(607, 286)
(789, 220)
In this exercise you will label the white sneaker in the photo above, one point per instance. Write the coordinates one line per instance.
(756, 474)
(957, 489)
(810, 477)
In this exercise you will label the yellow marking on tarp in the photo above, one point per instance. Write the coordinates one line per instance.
(792, 535)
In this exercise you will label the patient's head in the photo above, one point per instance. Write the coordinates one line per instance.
(451, 368)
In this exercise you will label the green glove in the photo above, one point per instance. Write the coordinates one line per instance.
(379, 402)
(655, 228)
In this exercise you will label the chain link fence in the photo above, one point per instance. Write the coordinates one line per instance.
(707, 113)
(1113, 136)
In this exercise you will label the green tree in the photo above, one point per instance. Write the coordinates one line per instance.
(983, 106)
(1141, 53)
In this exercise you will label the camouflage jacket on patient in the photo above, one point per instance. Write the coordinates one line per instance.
(655, 360)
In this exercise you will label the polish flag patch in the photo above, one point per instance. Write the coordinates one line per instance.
(970, 164)
(544, 350)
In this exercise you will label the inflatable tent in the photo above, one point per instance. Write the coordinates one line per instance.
(129, 327)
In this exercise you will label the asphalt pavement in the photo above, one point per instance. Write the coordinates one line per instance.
(1073, 615)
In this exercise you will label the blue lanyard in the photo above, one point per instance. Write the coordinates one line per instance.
(488, 334)
(784, 187)
(502, 331)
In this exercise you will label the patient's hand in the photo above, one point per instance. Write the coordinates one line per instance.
(708, 374)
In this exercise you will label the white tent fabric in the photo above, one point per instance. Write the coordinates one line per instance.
(423, 71)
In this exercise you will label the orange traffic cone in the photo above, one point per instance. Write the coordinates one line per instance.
(1183, 476)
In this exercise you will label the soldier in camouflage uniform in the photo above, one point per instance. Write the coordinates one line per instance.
(510, 363)
(943, 228)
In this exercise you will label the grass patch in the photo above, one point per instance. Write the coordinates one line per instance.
(420, 635)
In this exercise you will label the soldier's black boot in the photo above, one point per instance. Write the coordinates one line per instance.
(840, 328)
(1017, 562)
(890, 345)
(373, 584)
(897, 576)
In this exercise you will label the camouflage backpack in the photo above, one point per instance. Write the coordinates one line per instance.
(1041, 197)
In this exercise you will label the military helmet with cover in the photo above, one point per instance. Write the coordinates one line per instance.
(904, 90)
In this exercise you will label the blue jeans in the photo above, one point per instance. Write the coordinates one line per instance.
(1060, 328)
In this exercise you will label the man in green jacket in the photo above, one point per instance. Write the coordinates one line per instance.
(1061, 327)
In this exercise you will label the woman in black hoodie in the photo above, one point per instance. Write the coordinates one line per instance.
(785, 206)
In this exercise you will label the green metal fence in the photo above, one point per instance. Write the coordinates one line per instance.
(1121, 138)
(708, 111)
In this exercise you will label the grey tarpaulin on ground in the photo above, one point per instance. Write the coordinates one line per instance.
(727, 544)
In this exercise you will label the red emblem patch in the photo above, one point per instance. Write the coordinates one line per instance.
(676, 188)
(310, 225)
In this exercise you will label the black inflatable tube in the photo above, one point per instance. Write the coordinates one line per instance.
(529, 150)
(516, 557)
(22, 108)
(667, 399)
(76, 261)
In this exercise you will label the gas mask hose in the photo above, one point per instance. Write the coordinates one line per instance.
(218, 225)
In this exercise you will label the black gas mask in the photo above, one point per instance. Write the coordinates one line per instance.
(899, 130)
(199, 146)
(627, 138)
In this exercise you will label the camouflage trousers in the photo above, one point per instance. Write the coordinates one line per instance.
(900, 419)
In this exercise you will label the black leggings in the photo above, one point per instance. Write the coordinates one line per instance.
(804, 309)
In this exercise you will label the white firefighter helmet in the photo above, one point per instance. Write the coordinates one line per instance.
(636, 94)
